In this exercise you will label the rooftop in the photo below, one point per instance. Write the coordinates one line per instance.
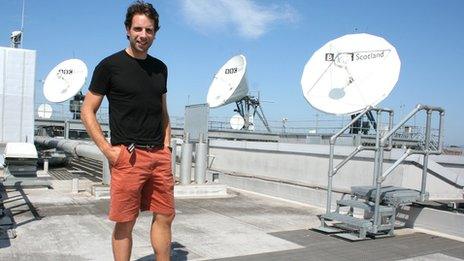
(54, 224)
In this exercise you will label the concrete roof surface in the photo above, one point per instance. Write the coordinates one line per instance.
(54, 224)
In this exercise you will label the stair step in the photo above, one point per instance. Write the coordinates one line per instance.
(352, 221)
(328, 230)
(351, 236)
(388, 195)
(369, 206)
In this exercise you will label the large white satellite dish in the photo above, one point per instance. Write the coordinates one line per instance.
(229, 84)
(45, 111)
(350, 73)
(65, 80)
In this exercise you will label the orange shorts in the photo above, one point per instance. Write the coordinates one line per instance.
(140, 181)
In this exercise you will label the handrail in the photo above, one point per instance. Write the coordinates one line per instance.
(418, 108)
(336, 135)
(426, 152)
(408, 153)
(331, 156)
(332, 170)
(352, 154)
(401, 123)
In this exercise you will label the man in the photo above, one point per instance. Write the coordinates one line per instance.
(139, 154)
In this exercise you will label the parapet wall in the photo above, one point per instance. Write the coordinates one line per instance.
(306, 165)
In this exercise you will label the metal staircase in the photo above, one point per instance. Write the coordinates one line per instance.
(7, 225)
(377, 203)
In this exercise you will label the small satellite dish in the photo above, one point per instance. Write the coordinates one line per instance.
(229, 84)
(350, 73)
(65, 80)
(45, 111)
(237, 122)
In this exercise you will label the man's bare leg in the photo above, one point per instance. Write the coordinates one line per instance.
(161, 236)
(122, 240)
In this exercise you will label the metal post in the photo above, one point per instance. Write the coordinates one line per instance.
(186, 161)
(106, 178)
(317, 123)
(390, 126)
(46, 165)
(174, 156)
(377, 188)
(329, 182)
(331, 157)
(246, 115)
(66, 129)
(378, 165)
(201, 150)
(440, 132)
(426, 155)
(377, 147)
(75, 182)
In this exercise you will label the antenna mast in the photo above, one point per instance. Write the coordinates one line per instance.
(22, 15)
(16, 37)
(22, 24)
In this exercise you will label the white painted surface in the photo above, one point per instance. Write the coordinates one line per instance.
(308, 164)
(17, 81)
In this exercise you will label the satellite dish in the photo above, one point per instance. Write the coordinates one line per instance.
(350, 73)
(65, 80)
(45, 111)
(237, 122)
(229, 84)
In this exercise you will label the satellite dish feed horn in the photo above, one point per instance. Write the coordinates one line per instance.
(230, 85)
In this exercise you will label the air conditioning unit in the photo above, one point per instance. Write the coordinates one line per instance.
(21, 165)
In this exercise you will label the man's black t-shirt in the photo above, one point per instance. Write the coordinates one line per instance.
(134, 88)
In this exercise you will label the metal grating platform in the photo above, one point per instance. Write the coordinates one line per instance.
(86, 168)
(318, 246)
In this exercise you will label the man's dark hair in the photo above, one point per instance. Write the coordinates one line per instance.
(140, 7)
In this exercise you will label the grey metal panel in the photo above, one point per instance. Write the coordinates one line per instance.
(196, 121)
(17, 78)
(348, 220)
(389, 194)
(368, 206)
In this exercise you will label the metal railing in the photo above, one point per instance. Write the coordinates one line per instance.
(317, 124)
(428, 149)
(62, 111)
(333, 139)
(431, 144)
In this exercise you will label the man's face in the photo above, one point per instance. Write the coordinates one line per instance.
(142, 33)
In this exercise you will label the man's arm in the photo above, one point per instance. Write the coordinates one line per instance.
(166, 122)
(89, 118)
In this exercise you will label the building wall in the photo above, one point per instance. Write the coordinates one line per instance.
(307, 165)
(17, 79)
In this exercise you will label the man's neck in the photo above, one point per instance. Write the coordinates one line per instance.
(135, 54)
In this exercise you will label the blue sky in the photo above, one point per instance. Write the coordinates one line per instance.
(277, 37)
